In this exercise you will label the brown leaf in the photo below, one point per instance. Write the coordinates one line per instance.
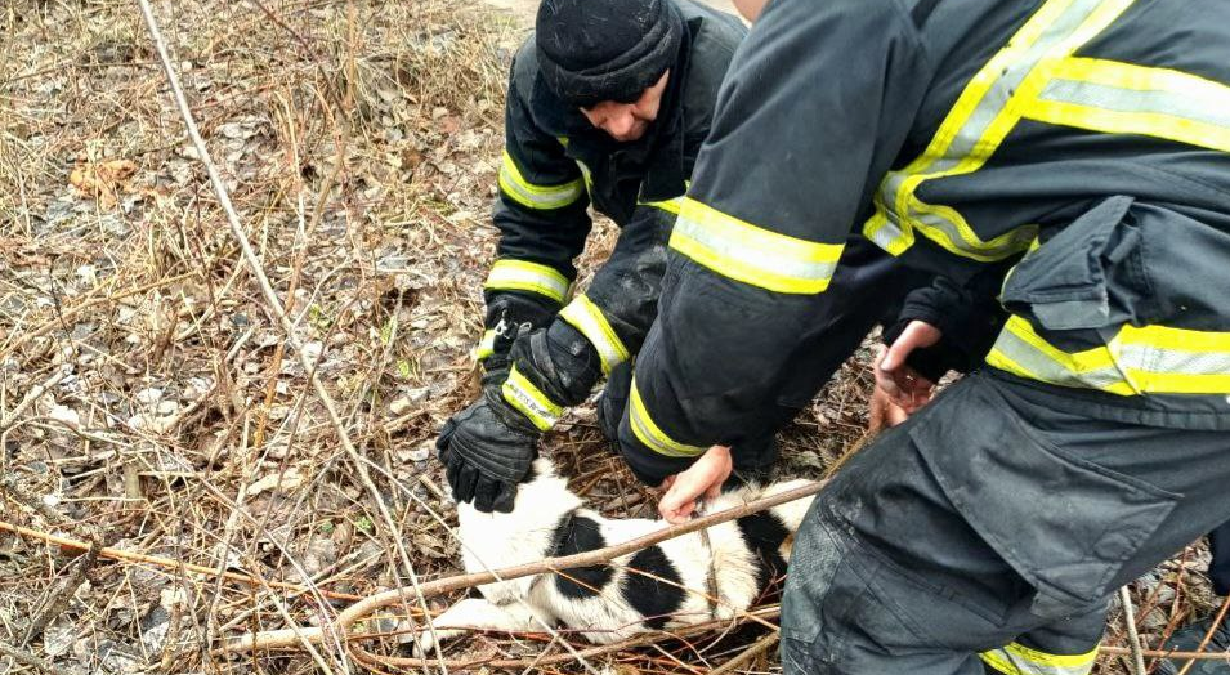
(101, 180)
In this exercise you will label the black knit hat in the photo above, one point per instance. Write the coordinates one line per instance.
(591, 51)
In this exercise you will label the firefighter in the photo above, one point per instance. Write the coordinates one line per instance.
(608, 105)
(1066, 159)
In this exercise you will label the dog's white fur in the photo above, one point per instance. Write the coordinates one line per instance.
(495, 540)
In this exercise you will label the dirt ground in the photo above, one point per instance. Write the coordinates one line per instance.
(150, 402)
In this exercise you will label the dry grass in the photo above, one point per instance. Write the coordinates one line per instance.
(360, 142)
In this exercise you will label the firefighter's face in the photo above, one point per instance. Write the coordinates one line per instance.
(628, 121)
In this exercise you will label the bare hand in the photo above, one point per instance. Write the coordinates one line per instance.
(882, 412)
(905, 387)
(703, 478)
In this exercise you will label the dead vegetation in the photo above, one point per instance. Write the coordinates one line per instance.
(169, 477)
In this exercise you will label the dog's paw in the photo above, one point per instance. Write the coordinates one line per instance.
(428, 641)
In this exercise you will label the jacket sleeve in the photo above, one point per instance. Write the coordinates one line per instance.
(556, 367)
(969, 317)
(541, 215)
(814, 111)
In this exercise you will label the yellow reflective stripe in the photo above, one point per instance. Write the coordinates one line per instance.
(671, 206)
(1018, 659)
(1145, 360)
(586, 317)
(984, 114)
(651, 435)
(1114, 97)
(522, 275)
(534, 404)
(541, 197)
(487, 345)
(751, 254)
(887, 235)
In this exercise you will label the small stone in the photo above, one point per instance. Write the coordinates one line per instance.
(149, 396)
(66, 415)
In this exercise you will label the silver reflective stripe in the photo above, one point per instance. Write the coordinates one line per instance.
(535, 196)
(651, 435)
(1017, 659)
(982, 118)
(534, 404)
(1186, 105)
(753, 254)
(487, 344)
(1036, 364)
(1156, 360)
(586, 317)
(1137, 360)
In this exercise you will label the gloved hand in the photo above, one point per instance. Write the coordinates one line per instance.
(510, 315)
(487, 450)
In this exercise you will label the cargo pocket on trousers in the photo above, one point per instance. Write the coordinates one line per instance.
(1064, 524)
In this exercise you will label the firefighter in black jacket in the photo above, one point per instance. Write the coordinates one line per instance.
(608, 106)
(1067, 158)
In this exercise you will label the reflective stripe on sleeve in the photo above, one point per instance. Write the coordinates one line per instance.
(671, 206)
(530, 401)
(1124, 98)
(751, 254)
(651, 435)
(541, 197)
(1018, 659)
(522, 275)
(586, 317)
(989, 107)
(487, 345)
(1146, 360)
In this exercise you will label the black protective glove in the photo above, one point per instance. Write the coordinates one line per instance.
(509, 315)
(487, 450)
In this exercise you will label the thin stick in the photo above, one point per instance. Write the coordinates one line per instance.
(281, 638)
(1222, 615)
(79, 309)
(31, 396)
(641, 640)
(168, 563)
(30, 660)
(1134, 642)
(271, 298)
(748, 654)
(1163, 654)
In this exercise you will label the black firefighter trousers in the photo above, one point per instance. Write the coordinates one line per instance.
(987, 533)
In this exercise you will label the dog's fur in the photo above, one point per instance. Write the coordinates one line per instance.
(605, 602)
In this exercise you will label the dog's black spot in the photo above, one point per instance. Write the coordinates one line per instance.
(531, 474)
(474, 593)
(764, 534)
(649, 596)
(578, 534)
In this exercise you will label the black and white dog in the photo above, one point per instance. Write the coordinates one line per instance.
(656, 587)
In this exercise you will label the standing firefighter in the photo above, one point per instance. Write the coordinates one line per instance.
(608, 105)
(1081, 145)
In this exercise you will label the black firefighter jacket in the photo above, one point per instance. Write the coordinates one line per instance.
(1079, 145)
(555, 165)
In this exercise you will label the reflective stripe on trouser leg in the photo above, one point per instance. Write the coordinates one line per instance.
(1018, 659)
